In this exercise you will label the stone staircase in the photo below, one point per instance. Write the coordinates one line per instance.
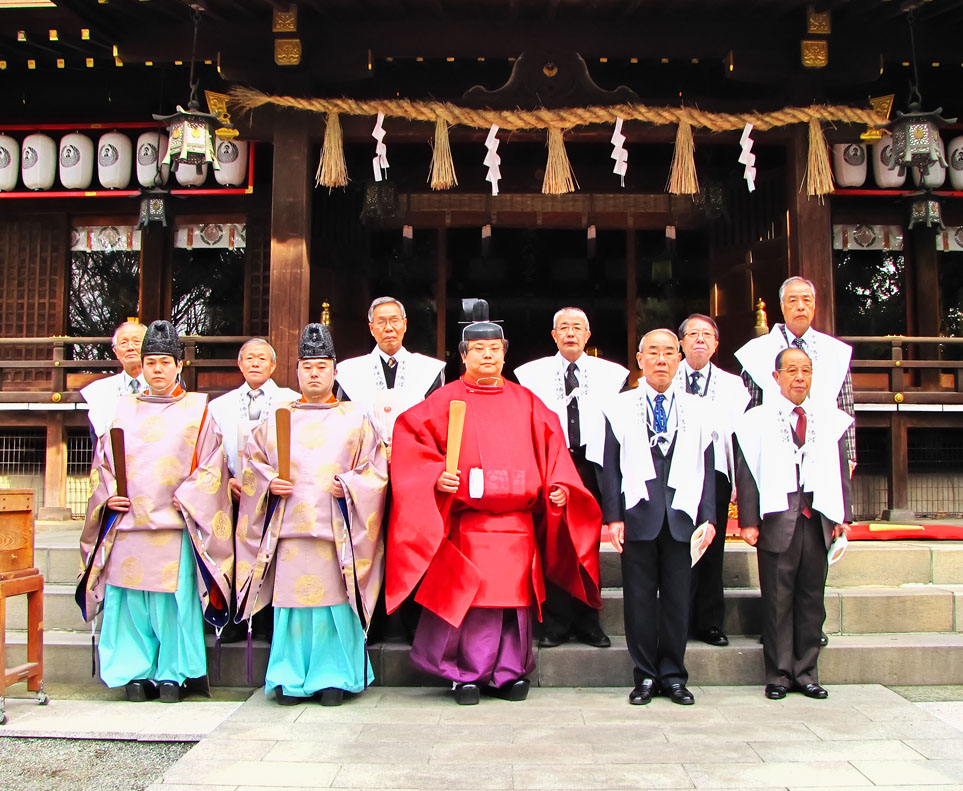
(894, 615)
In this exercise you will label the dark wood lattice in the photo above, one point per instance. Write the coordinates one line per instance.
(257, 265)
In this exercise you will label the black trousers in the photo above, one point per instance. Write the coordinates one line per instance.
(562, 613)
(655, 585)
(793, 586)
(708, 594)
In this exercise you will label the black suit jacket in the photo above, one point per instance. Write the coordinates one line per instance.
(776, 529)
(644, 520)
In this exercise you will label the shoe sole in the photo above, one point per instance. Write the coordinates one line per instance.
(136, 693)
(170, 695)
(516, 693)
(469, 697)
(332, 697)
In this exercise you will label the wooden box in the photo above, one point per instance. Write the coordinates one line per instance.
(16, 531)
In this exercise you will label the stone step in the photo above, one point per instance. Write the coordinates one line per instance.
(907, 659)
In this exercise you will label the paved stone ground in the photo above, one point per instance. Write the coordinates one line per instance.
(862, 737)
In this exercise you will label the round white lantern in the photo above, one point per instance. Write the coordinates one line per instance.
(76, 161)
(151, 149)
(849, 164)
(187, 175)
(954, 159)
(115, 160)
(9, 163)
(38, 162)
(232, 157)
(937, 173)
(882, 158)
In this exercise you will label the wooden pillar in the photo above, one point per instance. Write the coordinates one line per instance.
(290, 240)
(926, 283)
(154, 300)
(441, 292)
(810, 232)
(631, 292)
(55, 471)
(898, 510)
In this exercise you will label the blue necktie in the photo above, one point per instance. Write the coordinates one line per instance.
(694, 387)
(659, 416)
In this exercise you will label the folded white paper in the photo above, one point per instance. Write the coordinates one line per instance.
(837, 549)
(696, 549)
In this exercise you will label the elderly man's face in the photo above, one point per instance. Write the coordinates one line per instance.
(659, 360)
(795, 375)
(388, 327)
(699, 343)
(256, 364)
(127, 345)
(571, 333)
(484, 359)
(798, 307)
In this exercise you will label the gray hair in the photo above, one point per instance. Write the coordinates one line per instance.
(257, 342)
(113, 339)
(385, 301)
(660, 329)
(702, 317)
(560, 311)
(795, 279)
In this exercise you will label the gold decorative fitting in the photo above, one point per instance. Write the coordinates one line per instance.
(287, 51)
(762, 322)
(550, 69)
(326, 314)
(815, 54)
(56, 398)
(285, 21)
(883, 106)
(217, 106)
(818, 23)
(898, 398)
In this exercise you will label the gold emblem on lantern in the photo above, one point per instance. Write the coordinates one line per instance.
(287, 51)
(815, 54)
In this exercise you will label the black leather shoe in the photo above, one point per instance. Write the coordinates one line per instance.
(679, 693)
(813, 691)
(776, 691)
(140, 690)
(513, 690)
(714, 636)
(287, 700)
(332, 696)
(642, 693)
(170, 691)
(594, 637)
(551, 639)
(467, 694)
(823, 640)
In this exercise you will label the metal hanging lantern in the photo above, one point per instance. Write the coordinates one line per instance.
(924, 209)
(153, 208)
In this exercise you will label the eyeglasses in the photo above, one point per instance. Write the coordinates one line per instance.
(563, 328)
(492, 349)
(795, 371)
(707, 334)
(125, 343)
(394, 322)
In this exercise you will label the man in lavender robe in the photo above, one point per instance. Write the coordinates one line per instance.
(311, 543)
(158, 557)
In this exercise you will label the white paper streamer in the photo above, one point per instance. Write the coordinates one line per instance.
(747, 158)
(380, 161)
(619, 154)
(492, 160)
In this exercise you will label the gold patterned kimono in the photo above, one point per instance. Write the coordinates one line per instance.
(172, 448)
(312, 551)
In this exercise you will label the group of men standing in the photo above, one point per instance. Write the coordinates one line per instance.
(497, 498)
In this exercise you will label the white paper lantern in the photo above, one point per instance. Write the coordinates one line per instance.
(38, 162)
(937, 173)
(954, 158)
(232, 157)
(76, 161)
(187, 175)
(849, 164)
(882, 159)
(151, 149)
(9, 163)
(115, 159)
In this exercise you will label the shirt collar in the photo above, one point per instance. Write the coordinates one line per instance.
(651, 392)
(786, 407)
(808, 337)
(398, 355)
(267, 387)
(563, 363)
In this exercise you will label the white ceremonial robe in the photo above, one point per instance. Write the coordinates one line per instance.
(102, 396)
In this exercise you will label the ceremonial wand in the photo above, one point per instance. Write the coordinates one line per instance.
(456, 427)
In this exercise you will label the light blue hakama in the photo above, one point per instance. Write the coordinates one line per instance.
(152, 635)
(315, 648)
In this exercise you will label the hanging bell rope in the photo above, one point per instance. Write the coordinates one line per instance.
(682, 178)
(332, 170)
(819, 175)
(442, 176)
(559, 178)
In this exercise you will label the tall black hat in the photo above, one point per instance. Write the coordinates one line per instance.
(161, 338)
(480, 328)
(315, 343)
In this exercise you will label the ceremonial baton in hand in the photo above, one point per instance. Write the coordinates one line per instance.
(283, 419)
(456, 426)
(120, 460)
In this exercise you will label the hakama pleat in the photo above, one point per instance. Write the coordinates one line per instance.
(314, 648)
(160, 636)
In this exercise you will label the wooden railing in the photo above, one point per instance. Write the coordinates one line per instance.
(914, 373)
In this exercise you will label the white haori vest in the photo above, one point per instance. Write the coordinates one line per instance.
(627, 415)
(229, 411)
(598, 381)
(830, 359)
(102, 396)
(766, 439)
(363, 380)
(729, 398)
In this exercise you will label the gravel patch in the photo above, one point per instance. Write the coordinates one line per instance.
(82, 764)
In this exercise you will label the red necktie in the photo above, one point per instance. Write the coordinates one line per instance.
(799, 437)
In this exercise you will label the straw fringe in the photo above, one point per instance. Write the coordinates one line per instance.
(559, 178)
(442, 176)
(332, 170)
(819, 175)
(682, 178)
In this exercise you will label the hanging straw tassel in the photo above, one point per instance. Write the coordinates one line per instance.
(683, 179)
(819, 176)
(332, 170)
(442, 176)
(559, 178)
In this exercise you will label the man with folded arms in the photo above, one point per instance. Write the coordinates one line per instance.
(794, 498)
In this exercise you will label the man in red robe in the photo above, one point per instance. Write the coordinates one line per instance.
(482, 541)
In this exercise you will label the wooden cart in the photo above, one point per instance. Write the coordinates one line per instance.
(18, 576)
